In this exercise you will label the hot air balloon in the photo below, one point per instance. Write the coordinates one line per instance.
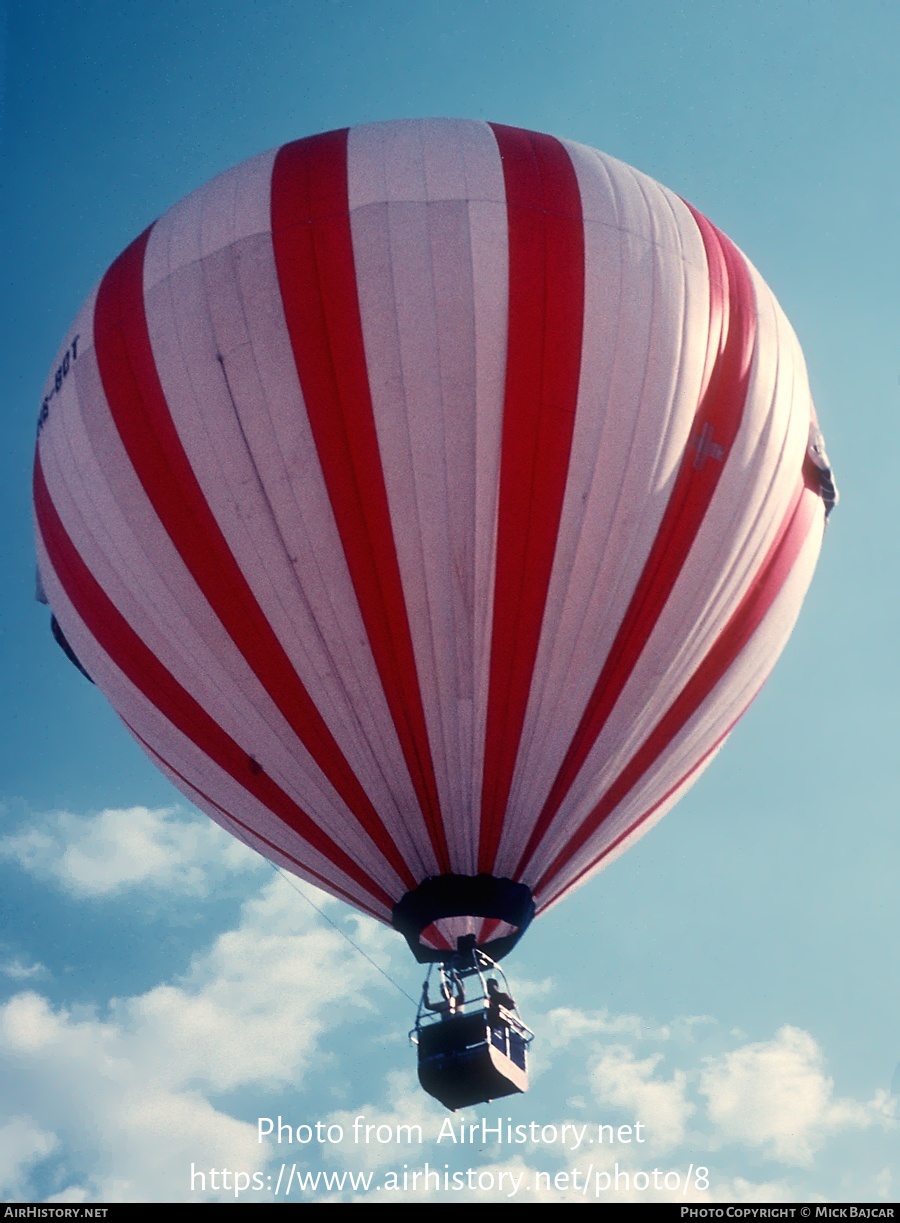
(430, 499)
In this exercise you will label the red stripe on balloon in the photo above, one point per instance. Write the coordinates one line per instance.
(489, 928)
(742, 624)
(141, 415)
(731, 340)
(543, 365)
(316, 272)
(571, 884)
(303, 869)
(433, 937)
(141, 666)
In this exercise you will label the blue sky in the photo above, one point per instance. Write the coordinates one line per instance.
(732, 982)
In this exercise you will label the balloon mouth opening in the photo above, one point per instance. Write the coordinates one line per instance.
(447, 914)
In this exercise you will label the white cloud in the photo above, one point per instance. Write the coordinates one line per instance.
(131, 1098)
(567, 1025)
(621, 1079)
(18, 970)
(775, 1095)
(739, 1189)
(132, 1138)
(883, 1183)
(130, 1095)
(253, 1008)
(382, 1136)
(117, 849)
(22, 1144)
(119, 1103)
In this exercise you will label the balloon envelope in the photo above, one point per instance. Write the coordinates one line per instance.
(430, 499)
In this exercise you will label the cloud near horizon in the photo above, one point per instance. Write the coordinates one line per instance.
(116, 1103)
(132, 1097)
